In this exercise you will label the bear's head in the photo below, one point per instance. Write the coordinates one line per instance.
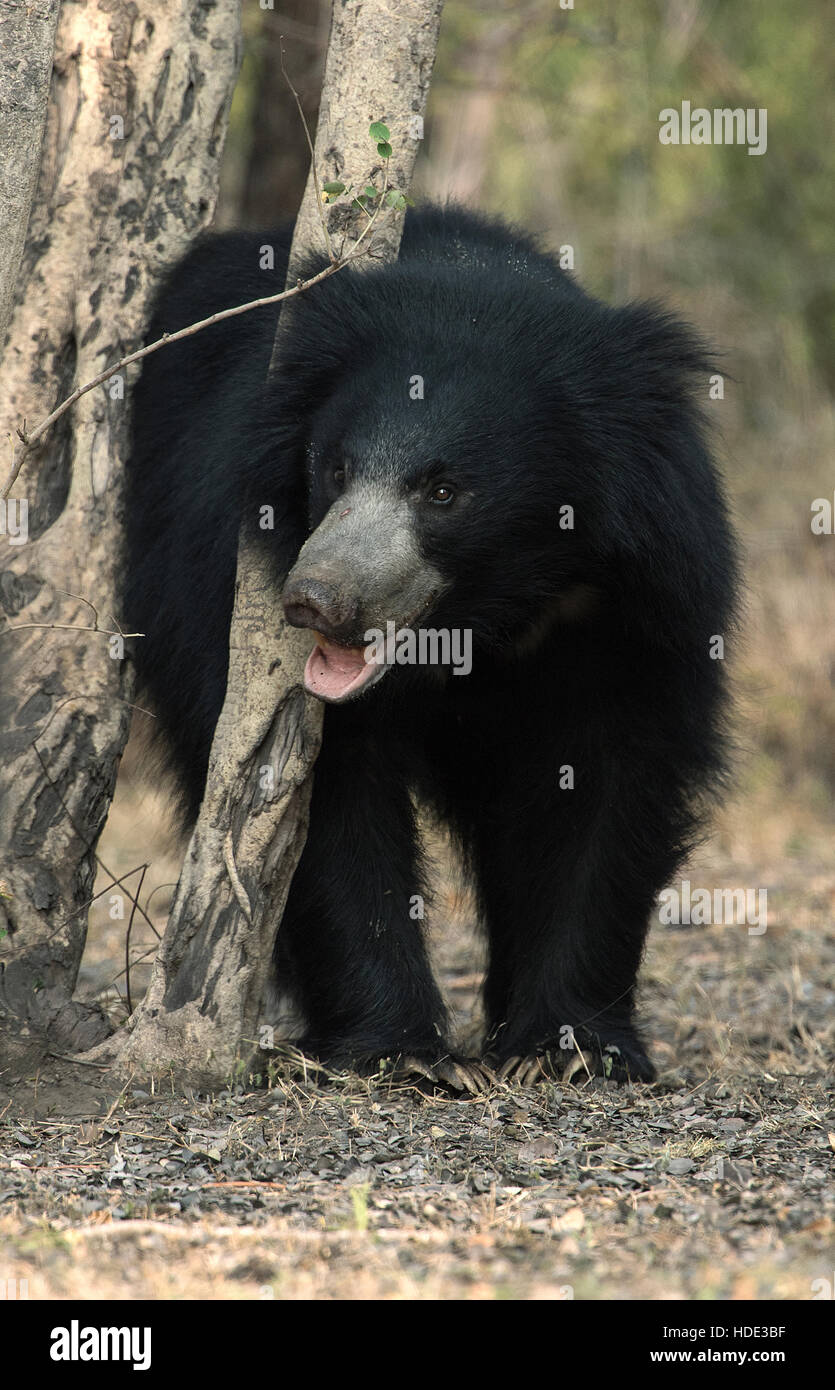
(482, 453)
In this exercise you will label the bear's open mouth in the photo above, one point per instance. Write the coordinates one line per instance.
(336, 674)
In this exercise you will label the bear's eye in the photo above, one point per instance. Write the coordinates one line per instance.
(339, 476)
(441, 495)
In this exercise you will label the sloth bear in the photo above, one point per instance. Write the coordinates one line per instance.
(466, 450)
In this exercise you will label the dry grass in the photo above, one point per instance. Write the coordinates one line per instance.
(714, 1183)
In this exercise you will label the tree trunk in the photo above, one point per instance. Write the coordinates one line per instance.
(27, 39)
(201, 1013)
(137, 114)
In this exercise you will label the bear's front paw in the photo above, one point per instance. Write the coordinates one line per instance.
(458, 1073)
(315, 1063)
(591, 1055)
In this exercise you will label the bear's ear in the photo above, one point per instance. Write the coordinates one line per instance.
(664, 517)
(653, 379)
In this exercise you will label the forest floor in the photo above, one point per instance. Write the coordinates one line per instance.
(716, 1182)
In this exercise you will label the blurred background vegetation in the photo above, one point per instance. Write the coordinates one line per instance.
(549, 116)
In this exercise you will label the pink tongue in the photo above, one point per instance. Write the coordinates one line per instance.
(333, 673)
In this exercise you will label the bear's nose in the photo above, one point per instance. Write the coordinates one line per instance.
(317, 604)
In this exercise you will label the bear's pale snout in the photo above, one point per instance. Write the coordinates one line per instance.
(315, 603)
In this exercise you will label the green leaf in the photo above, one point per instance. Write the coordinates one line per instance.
(333, 189)
(379, 131)
(370, 191)
(384, 150)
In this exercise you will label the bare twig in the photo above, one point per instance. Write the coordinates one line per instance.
(319, 203)
(42, 727)
(127, 938)
(30, 438)
(113, 879)
(76, 627)
(69, 627)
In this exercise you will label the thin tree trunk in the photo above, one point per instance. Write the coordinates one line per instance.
(201, 1014)
(137, 114)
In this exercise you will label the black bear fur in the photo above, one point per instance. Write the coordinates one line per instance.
(591, 646)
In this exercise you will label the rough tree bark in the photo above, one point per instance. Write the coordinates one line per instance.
(201, 1013)
(137, 114)
(27, 40)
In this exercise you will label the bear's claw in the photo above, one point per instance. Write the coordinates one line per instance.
(469, 1075)
(530, 1070)
(612, 1064)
